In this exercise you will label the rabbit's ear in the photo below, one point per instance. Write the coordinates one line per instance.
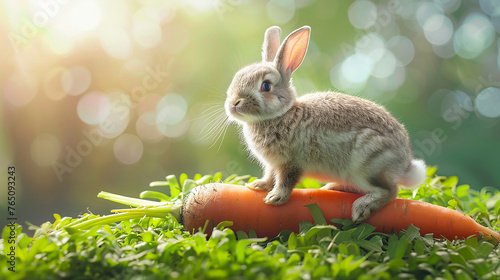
(292, 51)
(271, 43)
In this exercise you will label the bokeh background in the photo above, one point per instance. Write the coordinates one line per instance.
(111, 95)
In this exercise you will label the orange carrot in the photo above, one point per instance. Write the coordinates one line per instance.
(245, 208)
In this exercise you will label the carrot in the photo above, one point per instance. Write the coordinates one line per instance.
(245, 208)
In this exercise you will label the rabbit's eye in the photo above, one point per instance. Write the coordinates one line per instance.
(266, 86)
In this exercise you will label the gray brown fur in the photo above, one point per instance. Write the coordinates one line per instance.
(327, 135)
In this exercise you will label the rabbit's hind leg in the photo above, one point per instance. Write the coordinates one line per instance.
(383, 191)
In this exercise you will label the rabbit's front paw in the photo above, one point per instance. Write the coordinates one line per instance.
(260, 185)
(276, 197)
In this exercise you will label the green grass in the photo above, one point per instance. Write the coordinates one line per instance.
(139, 247)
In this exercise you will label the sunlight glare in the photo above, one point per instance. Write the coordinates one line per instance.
(86, 15)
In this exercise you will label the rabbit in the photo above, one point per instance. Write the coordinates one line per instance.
(351, 142)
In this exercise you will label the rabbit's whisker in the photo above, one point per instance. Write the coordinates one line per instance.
(213, 123)
(222, 133)
(209, 112)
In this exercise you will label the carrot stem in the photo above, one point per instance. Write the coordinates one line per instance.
(159, 211)
(146, 207)
(106, 220)
(135, 202)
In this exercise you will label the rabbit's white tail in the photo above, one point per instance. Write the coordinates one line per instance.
(415, 175)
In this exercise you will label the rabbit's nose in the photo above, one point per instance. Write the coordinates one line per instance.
(238, 102)
(232, 108)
